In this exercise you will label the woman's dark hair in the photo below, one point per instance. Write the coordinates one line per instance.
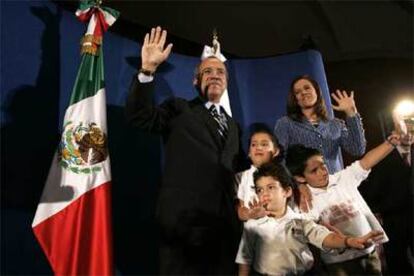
(293, 109)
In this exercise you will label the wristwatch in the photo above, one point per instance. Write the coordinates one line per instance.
(146, 72)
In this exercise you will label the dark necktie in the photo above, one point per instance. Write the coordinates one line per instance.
(406, 158)
(221, 121)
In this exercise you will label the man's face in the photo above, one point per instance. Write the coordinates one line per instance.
(316, 173)
(271, 194)
(213, 79)
(261, 149)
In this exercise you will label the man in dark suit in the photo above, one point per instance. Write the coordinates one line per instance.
(196, 212)
(389, 192)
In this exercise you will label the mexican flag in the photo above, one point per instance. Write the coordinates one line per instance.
(73, 219)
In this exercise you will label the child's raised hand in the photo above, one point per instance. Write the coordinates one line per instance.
(394, 139)
(257, 209)
(254, 203)
(364, 241)
(257, 212)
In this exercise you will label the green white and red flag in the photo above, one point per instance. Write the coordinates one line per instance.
(73, 222)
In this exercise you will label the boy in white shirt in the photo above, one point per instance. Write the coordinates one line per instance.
(263, 147)
(337, 202)
(277, 243)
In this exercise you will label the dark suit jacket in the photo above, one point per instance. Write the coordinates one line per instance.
(196, 198)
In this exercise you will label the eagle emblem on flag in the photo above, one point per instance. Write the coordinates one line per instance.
(82, 147)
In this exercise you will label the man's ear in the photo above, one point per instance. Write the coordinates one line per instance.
(196, 83)
(299, 179)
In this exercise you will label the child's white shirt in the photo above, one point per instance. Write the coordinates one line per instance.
(245, 189)
(342, 206)
(279, 246)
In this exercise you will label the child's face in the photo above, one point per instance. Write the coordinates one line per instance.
(261, 149)
(316, 173)
(271, 194)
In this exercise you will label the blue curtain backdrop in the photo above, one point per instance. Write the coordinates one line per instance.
(39, 62)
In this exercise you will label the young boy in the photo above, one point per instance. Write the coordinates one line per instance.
(277, 243)
(337, 202)
(263, 147)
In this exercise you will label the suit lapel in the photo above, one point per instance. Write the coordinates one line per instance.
(232, 131)
(208, 120)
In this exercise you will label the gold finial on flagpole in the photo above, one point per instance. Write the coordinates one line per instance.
(215, 34)
(215, 40)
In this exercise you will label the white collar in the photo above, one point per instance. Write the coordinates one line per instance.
(331, 183)
(288, 215)
(403, 151)
(224, 103)
(218, 106)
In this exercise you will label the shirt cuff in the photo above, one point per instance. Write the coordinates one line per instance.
(360, 169)
(356, 117)
(142, 78)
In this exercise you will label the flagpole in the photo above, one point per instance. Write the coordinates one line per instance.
(73, 221)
